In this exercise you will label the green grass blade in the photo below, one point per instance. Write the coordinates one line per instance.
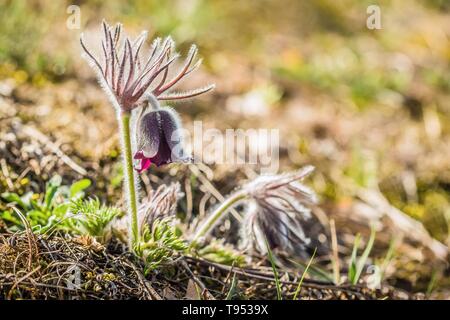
(303, 275)
(365, 255)
(275, 272)
(352, 264)
(389, 256)
(233, 289)
(315, 272)
(432, 284)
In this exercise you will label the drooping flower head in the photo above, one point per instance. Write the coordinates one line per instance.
(126, 72)
(279, 212)
(159, 137)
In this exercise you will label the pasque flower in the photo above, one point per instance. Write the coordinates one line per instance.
(159, 138)
(278, 211)
(126, 73)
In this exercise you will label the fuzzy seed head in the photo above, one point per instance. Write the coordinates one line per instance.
(279, 210)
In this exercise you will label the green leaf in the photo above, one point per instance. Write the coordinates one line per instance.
(36, 217)
(78, 187)
(7, 216)
(218, 251)
(51, 189)
(13, 197)
(91, 217)
(362, 260)
(352, 266)
(35, 205)
(61, 210)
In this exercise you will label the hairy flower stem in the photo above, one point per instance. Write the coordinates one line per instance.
(217, 214)
(130, 186)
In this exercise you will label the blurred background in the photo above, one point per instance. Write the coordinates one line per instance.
(369, 108)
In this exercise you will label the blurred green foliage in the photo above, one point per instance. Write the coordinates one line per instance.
(23, 52)
(219, 252)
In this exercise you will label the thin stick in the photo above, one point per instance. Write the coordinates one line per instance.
(16, 283)
(42, 138)
(205, 292)
(335, 257)
(189, 199)
(151, 292)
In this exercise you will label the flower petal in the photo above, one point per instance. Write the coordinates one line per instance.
(170, 125)
(139, 155)
(149, 134)
(145, 164)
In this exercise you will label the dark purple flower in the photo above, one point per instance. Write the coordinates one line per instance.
(159, 139)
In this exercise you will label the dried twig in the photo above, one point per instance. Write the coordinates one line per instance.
(411, 228)
(34, 133)
(335, 257)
